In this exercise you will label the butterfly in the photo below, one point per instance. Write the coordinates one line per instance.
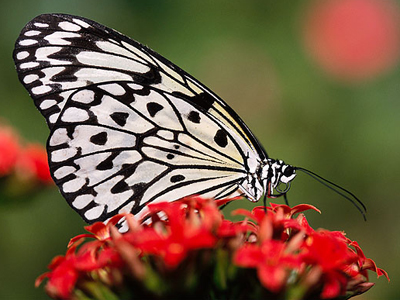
(128, 127)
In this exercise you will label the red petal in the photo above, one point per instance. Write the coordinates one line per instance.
(61, 283)
(381, 272)
(272, 277)
(331, 289)
(303, 207)
(78, 238)
(40, 279)
(249, 256)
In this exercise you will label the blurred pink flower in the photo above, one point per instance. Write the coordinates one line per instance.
(353, 40)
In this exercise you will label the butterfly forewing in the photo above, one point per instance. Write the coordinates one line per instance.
(127, 126)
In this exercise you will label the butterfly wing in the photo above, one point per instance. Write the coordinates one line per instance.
(127, 126)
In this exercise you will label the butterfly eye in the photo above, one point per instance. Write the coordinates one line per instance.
(288, 174)
(288, 171)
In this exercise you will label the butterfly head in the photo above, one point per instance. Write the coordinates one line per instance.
(277, 176)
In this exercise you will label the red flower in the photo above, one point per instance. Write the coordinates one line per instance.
(365, 264)
(291, 211)
(273, 262)
(62, 276)
(32, 164)
(26, 168)
(65, 271)
(233, 229)
(272, 255)
(9, 150)
(184, 230)
(277, 216)
(353, 39)
(329, 252)
(98, 230)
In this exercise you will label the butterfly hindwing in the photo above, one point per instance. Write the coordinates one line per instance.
(127, 126)
(108, 155)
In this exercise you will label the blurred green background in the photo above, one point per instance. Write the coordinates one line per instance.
(253, 55)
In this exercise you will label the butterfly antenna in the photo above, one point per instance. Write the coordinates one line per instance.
(339, 190)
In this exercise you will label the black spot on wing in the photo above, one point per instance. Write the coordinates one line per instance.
(139, 188)
(194, 117)
(105, 165)
(99, 139)
(203, 100)
(221, 138)
(120, 118)
(177, 178)
(153, 108)
(148, 78)
(170, 156)
(66, 75)
(120, 187)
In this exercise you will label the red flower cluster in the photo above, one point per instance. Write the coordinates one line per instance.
(186, 248)
(26, 164)
(317, 257)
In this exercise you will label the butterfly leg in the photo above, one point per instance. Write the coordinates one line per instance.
(265, 203)
(286, 199)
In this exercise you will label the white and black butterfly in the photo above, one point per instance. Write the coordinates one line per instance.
(129, 127)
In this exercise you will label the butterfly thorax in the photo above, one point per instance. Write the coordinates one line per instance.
(269, 177)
